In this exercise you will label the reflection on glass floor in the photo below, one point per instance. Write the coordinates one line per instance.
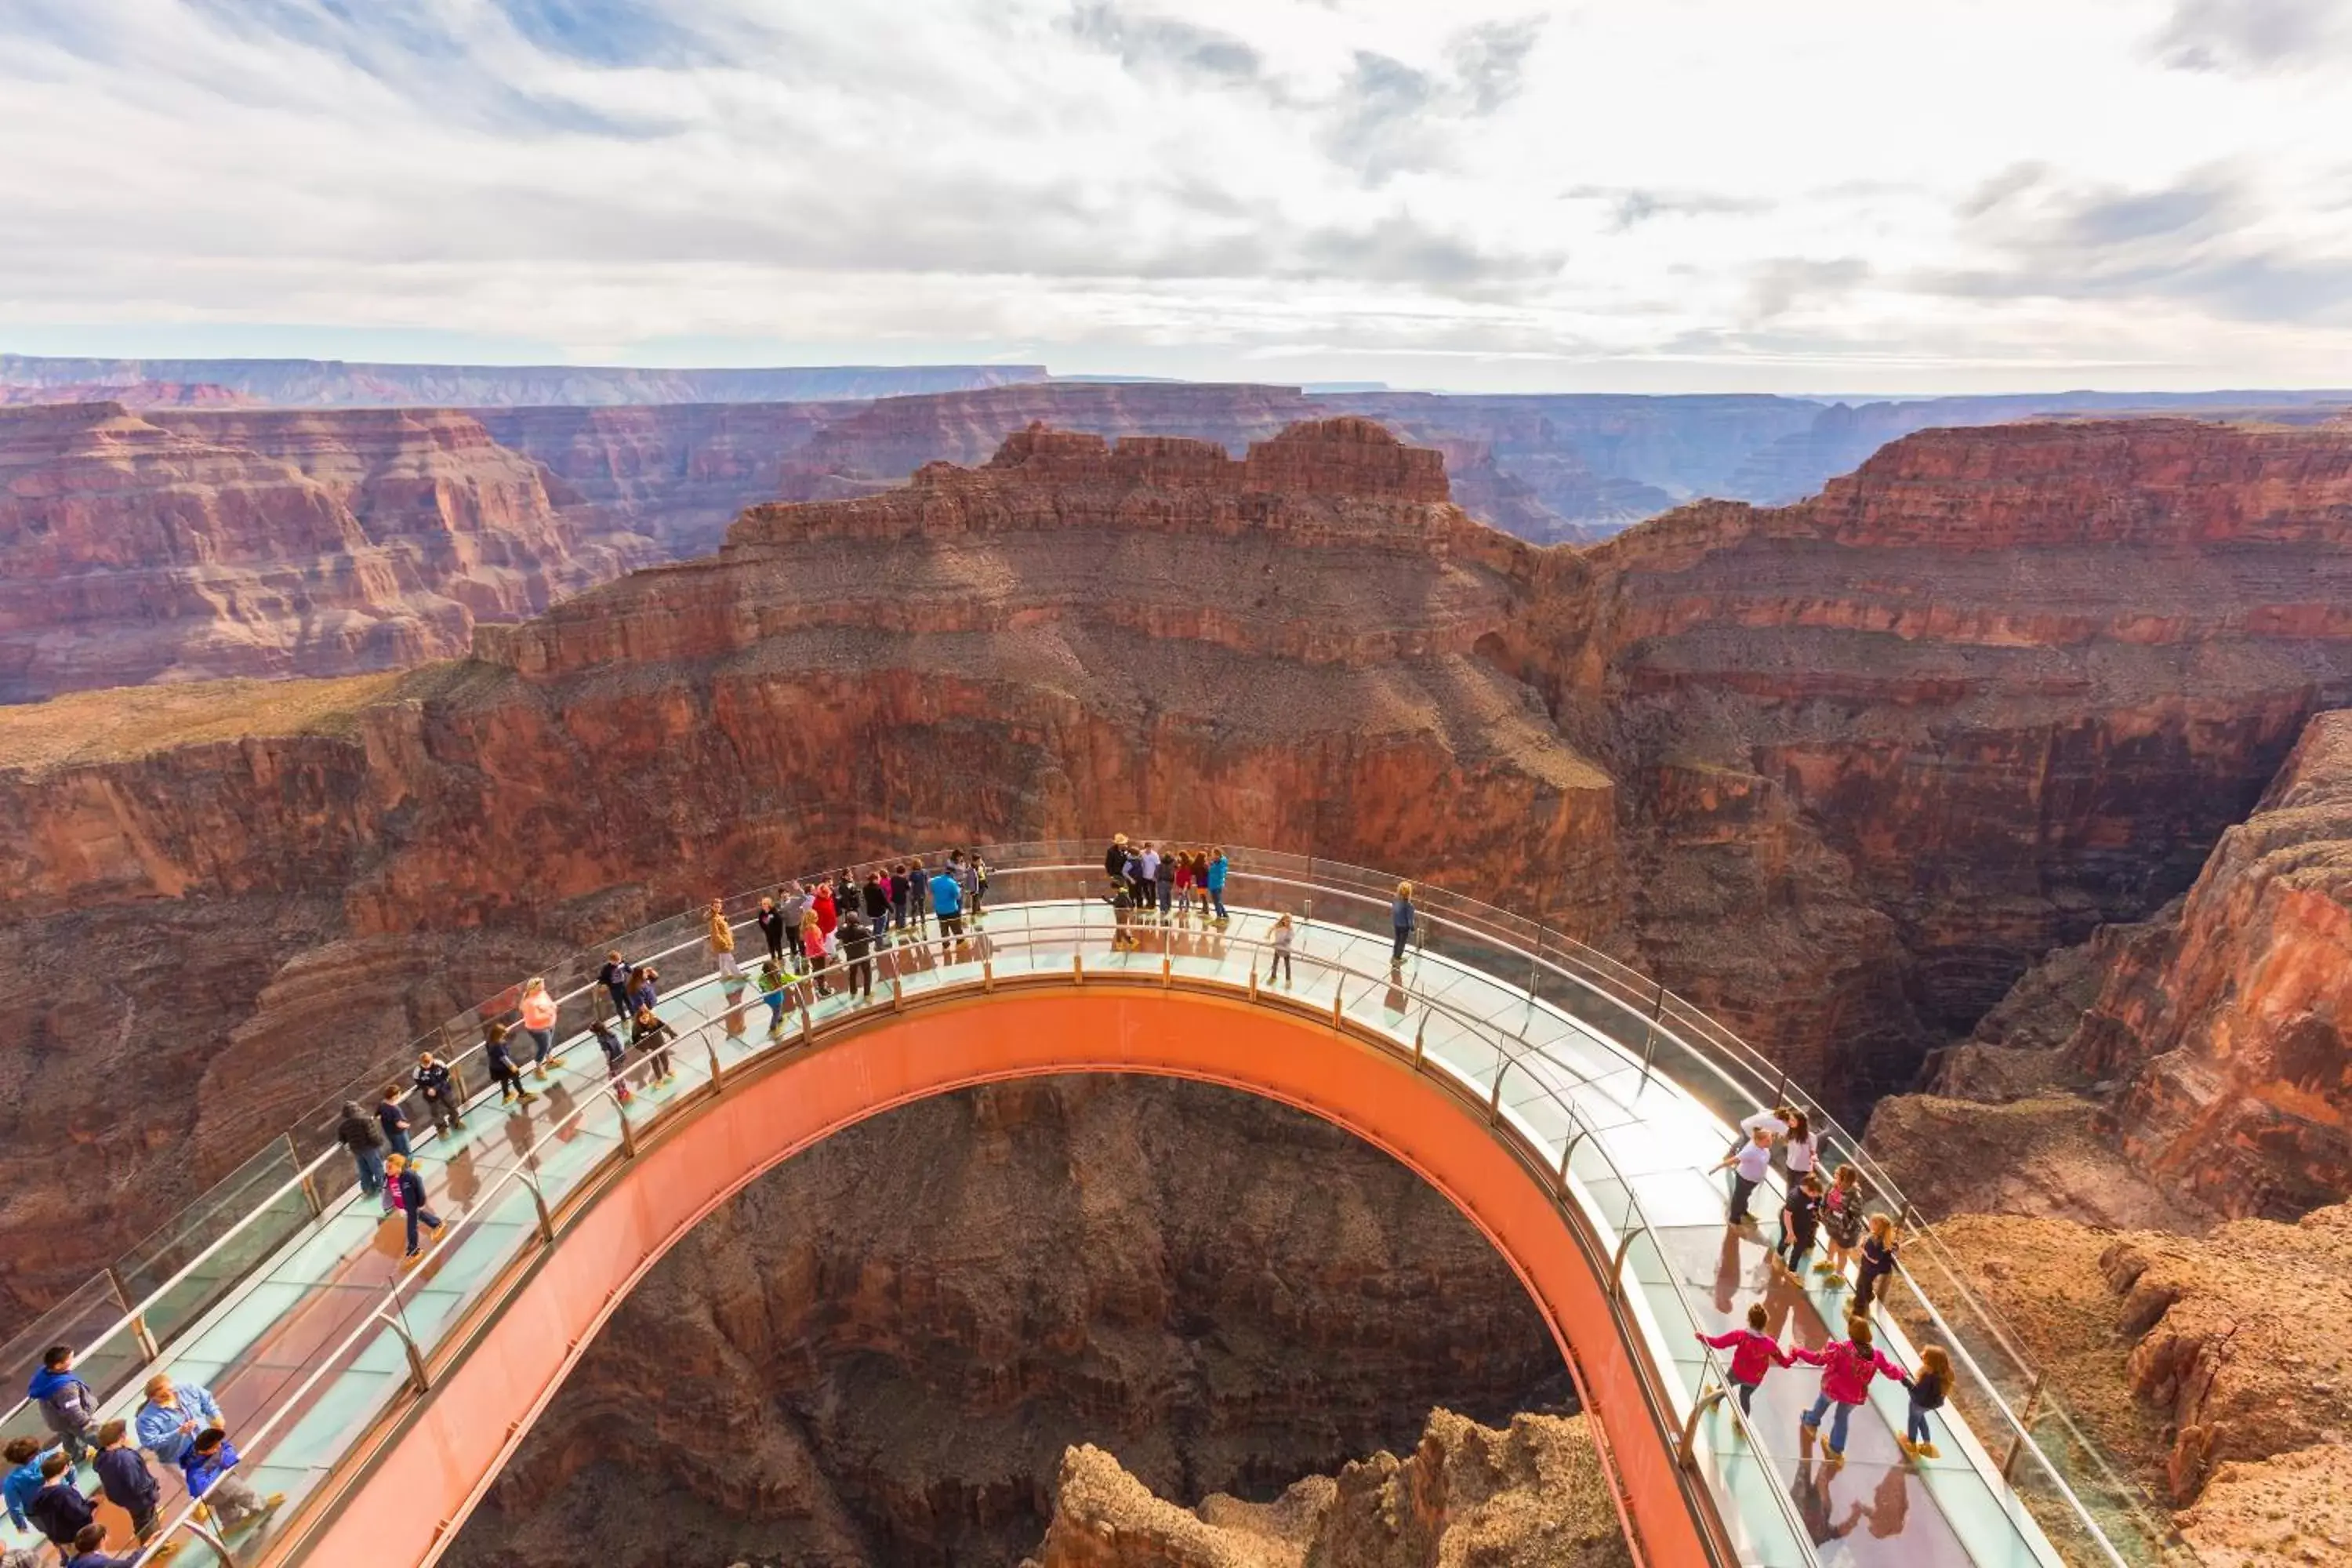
(1637, 1149)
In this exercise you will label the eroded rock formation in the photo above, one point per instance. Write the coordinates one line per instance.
(1998, 687)
(187, 544)
(879, 1352)
(1530, 1496)
(2215, 1365)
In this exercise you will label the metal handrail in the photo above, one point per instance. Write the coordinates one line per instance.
(1469, 917)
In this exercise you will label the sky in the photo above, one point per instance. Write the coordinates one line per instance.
(1640, 196)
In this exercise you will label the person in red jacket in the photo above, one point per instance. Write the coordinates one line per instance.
(1847, 1366)
(1754, 1353)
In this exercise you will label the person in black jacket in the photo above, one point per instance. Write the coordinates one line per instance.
(59, 1510)
(393, 1117)
(502, 1066)
(857, 946)
(615, 978)
(877, 908)
(439, 1086)
(123, 1475)
(358, 1133)
(772, 927)
(654, 1037)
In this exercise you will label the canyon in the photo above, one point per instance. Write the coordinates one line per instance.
(1996, 688)
(188, 542)
(2026, 731)
(881, 1352)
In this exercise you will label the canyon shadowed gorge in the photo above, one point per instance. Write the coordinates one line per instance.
(2024, 730)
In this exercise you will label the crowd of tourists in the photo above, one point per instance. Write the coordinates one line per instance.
(178, 1424)
(1810, 1213)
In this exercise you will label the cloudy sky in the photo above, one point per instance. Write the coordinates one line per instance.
(1637, 194)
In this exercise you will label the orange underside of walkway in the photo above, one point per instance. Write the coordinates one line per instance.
(406, 1508)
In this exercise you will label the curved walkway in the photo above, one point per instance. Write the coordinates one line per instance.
(342, 1375)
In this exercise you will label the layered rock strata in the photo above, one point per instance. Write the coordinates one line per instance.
(677, 473)
(2202, 1048)
(1839, 771)
(880, 1351)
(1530, 1496)
(189, 545)
(2215, 1366)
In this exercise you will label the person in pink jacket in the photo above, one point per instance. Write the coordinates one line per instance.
(1847, 1366)
(1754, 1353)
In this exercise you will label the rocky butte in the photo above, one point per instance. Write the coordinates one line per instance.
(189, 543)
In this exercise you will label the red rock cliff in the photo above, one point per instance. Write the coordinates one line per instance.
(191, 545)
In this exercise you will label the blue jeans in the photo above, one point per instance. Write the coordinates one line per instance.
(1837, 1422)
(371, 1165)
(1404, 935)
(1915, 1423)
(1217, 897)
(775, 1001)
(542, 1042)
(416, 1216)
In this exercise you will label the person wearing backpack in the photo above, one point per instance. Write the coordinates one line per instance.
(358, 1133)
(24, 1456)
(1754, 1353)
(1847, 1366)
(68, 1408)
(1842, 1222)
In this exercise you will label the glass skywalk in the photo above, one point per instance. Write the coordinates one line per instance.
(283, 1290)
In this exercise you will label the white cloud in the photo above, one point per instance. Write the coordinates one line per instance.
(1696, 192)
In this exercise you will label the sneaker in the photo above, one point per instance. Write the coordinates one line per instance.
(1824, 1268)
(1833, 1458)
(1928, 1450)
(273, 1502)
(163, 1554)
(203, 1513)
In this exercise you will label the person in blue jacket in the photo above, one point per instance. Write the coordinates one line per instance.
(68, 1406)
(174, 1413)
(209, 1465)
(946, 902)
(1401, 916)
(1218, 867)
(24, 1456)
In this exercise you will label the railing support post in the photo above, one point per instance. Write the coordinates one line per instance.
(628, 1133)
(2024, 1426)
(391, 1317)
(1077, 969)
(1420, 1037)
(310, 1187)
(1617, 1264)
(148, 1349)
(211, 1538)
(1650, 1034)
(538, 1205)
(987, 976)
(1167, 971)
(898, 995)
(1495, 1101)
(1339, 1002)
(717, 1073)
(1699, 1407)
(1252, 976)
